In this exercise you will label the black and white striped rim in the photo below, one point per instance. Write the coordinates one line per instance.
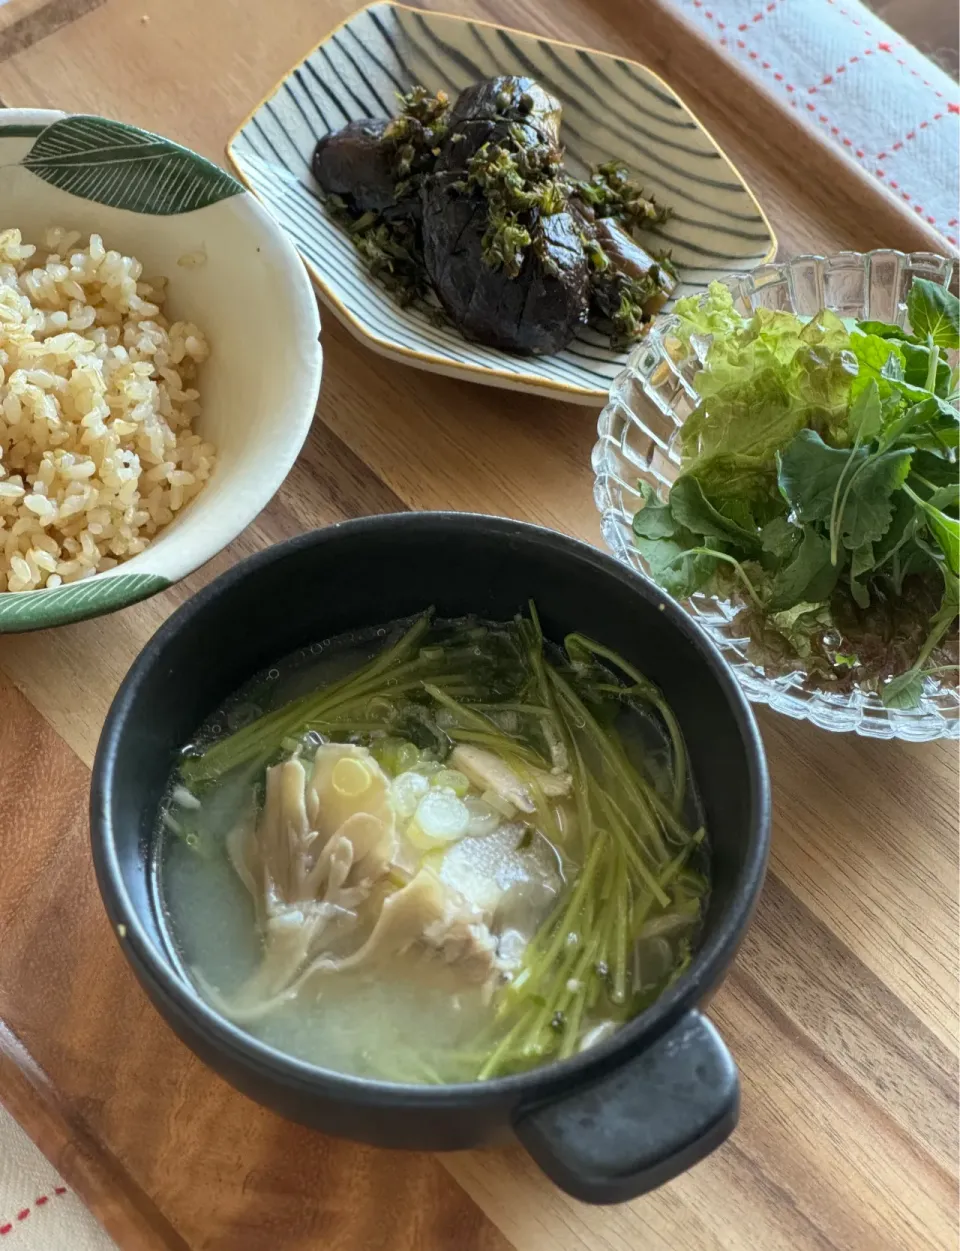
(612, 108)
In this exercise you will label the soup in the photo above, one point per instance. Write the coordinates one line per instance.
(438, 851)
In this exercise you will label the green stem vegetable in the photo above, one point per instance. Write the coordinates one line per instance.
(620, 839)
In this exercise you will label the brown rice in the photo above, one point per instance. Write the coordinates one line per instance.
(96, 407)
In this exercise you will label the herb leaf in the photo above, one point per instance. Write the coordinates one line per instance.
(654, 520)
(809, 577)
(945, 529)
(940, 413)
(862, 560)
(882, 329)
(913, 420)
(692, 509)
(866, 413)
(878, 360)
(935, 469)
(867, 506)
(900, 531)
(813, 477)
(935, 312)
(678, 569)
(809, 472)
(946, 497)
(860, 593)
(916, 358)
(904, 691)
(779, 537)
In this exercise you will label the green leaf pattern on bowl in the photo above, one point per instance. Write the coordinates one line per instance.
(34, 610)
(126, 168)
(14, 130)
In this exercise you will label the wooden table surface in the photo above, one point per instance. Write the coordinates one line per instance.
(842, 1007)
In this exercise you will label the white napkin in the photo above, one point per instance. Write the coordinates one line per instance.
(37, 1212)
(853, 79)
(849, 76)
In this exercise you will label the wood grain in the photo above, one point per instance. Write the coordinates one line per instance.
(801, 1013)
(25, 22)
(842, 1008)
(232, 1175)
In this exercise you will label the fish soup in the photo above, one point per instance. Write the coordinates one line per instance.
(435, 851)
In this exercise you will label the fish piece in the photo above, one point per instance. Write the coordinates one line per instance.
(429, 912)
(487, 771)
(482, 869)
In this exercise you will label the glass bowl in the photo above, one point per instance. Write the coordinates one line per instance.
(654, 395)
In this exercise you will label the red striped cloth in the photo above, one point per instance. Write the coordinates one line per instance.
(851, 78)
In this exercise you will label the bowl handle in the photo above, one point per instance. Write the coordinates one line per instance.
(641, 1124)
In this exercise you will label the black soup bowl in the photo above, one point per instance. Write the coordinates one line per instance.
(605, 1125)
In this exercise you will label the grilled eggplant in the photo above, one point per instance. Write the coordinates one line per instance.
(534, 310)
(356, 164)
(473, 202)
(503, 253)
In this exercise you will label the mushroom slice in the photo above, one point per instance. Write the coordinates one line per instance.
(488, 772)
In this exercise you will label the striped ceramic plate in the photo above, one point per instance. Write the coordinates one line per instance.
(611, 108)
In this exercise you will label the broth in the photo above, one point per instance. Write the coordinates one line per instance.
(513, 920)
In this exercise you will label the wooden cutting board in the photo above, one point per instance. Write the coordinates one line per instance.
(842, 1008)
